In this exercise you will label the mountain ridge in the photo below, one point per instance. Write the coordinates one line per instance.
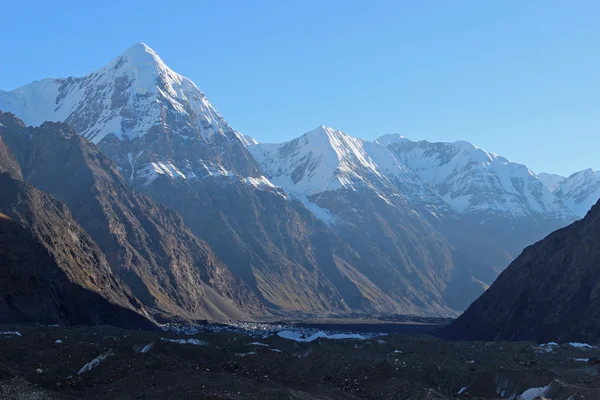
(324, 222)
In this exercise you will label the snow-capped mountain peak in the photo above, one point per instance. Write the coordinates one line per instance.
(390, 138)
(550, 180)
(322, 159)
(580, 190)
(127, 97)
(472, 180)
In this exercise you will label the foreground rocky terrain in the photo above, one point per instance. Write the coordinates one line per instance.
(40, 362)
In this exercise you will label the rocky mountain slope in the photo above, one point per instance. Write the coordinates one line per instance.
(169, 143)
(51, 270)
(164, 265)
(504, 198)
(550, 292)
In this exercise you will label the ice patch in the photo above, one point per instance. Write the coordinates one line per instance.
(95, 362)
(259, 183)
(187, 341)
(532, 393)
(581, 345)
(146, 348)
(298, 337)
(547, 347)
(245, 354)
(258, 344)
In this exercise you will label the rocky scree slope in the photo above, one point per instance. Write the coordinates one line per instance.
(148, 246)
(51, 270)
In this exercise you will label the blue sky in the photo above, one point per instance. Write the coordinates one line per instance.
(519, 78)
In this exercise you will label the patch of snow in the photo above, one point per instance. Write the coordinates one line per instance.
(13, 333)
(275, 350)
(532, 393)
(462, 390)
(259, 183)
(147, 348)
(187, 341)
(547, 347)
(246, 140)
(95, 362)
(581, 345)
(245, 354)
(298, 336)
(258, 344)
(581, 359)
(58, 341)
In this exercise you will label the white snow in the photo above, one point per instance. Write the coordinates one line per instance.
(460, 170)
(532, 393)
(458, 176)
(58, 341)
(260, 182)
(275, 350)
(246, 140)
(550, 180)
(147, 89)
(548, 347)
(580, 191)
(11, 333)
(581, 359)
(187, 341)
(258, 344)
(298, 336)
(147, 348)
(245, 354)
(462, 390)
(581, 345)
(153, 170)
(95, 362)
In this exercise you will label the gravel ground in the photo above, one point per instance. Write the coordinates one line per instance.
(143, 365)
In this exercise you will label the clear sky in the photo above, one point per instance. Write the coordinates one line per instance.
(519, 78)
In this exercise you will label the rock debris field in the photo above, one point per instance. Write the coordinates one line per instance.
(263, 362)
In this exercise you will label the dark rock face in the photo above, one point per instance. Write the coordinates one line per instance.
(51, 271)
(8, 163)
(166, 267)
(549, 293)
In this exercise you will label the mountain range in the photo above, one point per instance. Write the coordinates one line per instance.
(196, 220)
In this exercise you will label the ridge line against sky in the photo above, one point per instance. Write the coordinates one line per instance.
(520, 80)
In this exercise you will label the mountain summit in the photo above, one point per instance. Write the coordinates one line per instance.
(127, 97)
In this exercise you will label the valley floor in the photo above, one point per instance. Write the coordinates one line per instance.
(39, 362)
